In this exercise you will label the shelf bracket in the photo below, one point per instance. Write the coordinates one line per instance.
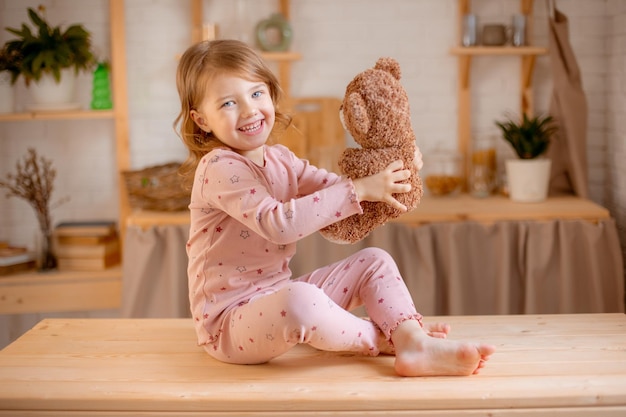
(464, 71)
(528, 65)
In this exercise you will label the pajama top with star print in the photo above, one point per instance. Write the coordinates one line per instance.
(245, 222)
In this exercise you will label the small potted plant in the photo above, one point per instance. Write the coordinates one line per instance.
(48, 56)
(529, 176)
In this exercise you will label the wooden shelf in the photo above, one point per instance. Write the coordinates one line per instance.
(455, 208)
(37, 292)
(146, 219)
(281, 56)
(463, 207)
(57, 115)
(499, 50)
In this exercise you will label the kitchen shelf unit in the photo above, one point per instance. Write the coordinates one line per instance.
(465, 55)
(80, 290)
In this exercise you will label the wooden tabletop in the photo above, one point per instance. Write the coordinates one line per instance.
(570, 364)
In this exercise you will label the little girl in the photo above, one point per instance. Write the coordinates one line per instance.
(250, 204)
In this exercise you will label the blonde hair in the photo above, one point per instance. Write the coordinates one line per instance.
(198, 65)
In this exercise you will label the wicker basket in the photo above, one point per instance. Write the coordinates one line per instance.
(157, 188)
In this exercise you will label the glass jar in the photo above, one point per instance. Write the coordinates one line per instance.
(443, 172)
(482, 167)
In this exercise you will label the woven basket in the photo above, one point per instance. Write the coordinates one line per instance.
(158, 188)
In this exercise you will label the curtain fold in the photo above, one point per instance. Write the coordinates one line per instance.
(154, 272)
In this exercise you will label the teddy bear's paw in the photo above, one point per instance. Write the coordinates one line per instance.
(335, 234)
(334, 239)
(346, 231)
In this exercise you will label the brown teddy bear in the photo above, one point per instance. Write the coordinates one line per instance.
(375, 110)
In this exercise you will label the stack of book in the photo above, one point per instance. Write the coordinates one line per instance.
(87, 246)
(14, 259)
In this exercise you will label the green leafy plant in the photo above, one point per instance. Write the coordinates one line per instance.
(531, 137)
(49, 49)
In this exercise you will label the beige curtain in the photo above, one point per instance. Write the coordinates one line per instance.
(450, 268)
(568, 106)
(154, 274)
(505, 268)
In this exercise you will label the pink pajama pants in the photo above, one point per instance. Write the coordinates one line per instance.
(313, 309)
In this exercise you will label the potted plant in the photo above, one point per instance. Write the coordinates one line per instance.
(48, 56)
(528, 177)
(10, 62)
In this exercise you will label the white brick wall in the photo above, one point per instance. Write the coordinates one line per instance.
(337, 38)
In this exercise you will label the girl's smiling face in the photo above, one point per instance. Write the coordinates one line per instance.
(238, 112)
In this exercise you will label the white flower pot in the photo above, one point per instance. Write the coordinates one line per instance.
(47, 94)
(7, 95)
(528, 179)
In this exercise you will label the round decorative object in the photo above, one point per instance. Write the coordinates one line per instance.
(276, 24)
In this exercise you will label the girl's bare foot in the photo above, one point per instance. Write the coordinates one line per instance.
(438, 330)
(418, 354)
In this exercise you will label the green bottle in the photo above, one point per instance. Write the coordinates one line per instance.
(101, 92)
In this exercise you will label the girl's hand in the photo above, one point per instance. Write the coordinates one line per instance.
(381, 186)
(419, 163)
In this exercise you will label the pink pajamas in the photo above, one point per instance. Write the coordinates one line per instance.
(312, 310)
(245, 222)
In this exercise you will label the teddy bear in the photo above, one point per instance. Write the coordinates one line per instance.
(375, 111)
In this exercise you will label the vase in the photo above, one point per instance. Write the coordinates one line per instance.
(47, 94)
(528, 179)
(47, 258)
(101, 90)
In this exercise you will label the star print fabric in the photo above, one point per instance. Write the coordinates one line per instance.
(245, 222)
(313, 309)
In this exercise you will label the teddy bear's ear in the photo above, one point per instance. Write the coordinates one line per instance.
(390, 65)
(355, 113)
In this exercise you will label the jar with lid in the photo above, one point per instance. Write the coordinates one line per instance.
(443, 172)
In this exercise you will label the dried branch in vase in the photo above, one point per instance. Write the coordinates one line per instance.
(34, 182)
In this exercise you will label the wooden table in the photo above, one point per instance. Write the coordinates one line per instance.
(545, 365)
